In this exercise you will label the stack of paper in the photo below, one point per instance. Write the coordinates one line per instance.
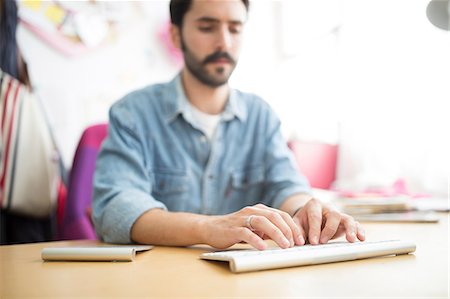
(384, 209)
(372, 205)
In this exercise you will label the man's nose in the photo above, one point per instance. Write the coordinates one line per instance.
(224, 39)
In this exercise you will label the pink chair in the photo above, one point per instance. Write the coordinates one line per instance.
(77, 222)
(317, 161)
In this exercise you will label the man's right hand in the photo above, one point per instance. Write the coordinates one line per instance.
(252, 225)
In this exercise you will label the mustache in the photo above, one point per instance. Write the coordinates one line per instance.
(218, 55)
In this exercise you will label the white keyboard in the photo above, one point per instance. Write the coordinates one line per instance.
(253, 260)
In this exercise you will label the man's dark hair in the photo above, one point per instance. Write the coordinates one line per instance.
(178, 9)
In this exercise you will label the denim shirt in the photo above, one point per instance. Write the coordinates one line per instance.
(156, 157)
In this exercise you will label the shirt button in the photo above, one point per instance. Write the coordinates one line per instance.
(210, 176)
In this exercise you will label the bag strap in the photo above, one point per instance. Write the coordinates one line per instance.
(9, 129)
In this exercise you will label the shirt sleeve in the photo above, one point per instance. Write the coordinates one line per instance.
(122, 186)
(283, 179)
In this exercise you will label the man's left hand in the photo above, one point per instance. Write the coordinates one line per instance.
(320, 223)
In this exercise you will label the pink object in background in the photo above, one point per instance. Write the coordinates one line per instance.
(173, 52)
(398, 188)
(76, 223)
(317, 161)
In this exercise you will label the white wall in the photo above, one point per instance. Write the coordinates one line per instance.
(381, 81)
(78, 91)
(373, 75)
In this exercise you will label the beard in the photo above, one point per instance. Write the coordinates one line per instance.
(197, 67)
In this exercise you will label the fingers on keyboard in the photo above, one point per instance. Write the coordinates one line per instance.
(261, 223)
(251, 238)
(361, 234)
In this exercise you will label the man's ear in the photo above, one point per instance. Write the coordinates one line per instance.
(175, 35)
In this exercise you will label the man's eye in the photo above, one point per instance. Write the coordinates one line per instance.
(235, 30)
(205, 29)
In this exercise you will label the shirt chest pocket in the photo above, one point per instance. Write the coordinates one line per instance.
(247, 185)
(171, 188)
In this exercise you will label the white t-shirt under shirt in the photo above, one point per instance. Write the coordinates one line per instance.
(206, 122)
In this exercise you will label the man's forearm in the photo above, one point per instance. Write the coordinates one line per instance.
(160, 227)
(294, 202)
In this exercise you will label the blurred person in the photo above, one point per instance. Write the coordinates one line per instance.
(29, 182)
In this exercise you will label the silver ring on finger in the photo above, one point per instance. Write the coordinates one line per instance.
(248, 223)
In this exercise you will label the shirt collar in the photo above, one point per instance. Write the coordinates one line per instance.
(235, 107)
(176, 103)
